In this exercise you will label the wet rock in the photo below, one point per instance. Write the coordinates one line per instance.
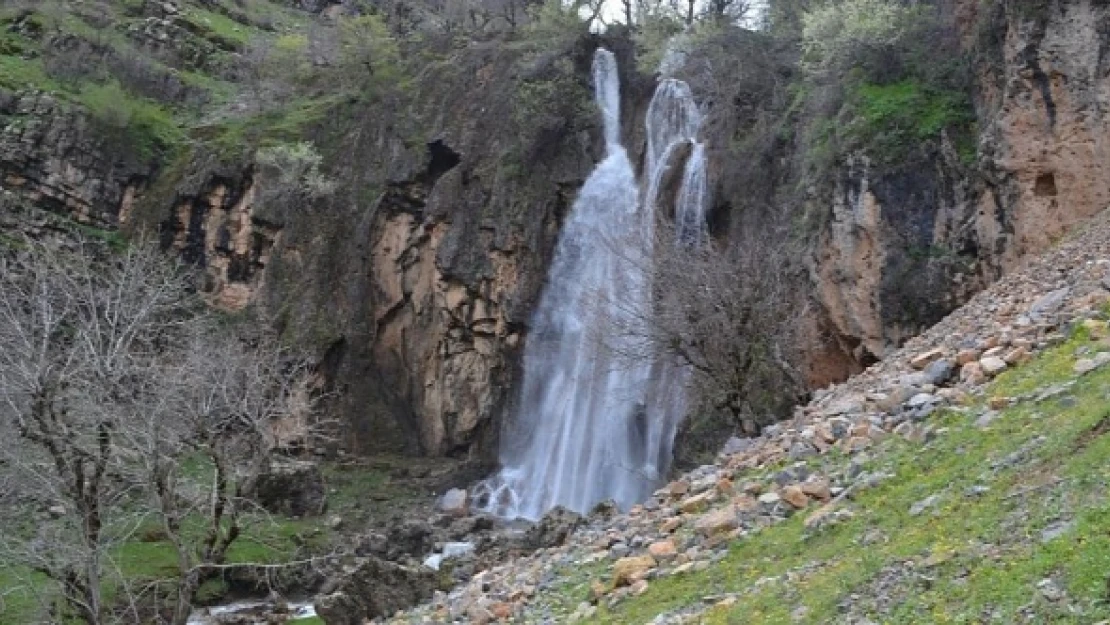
(553, 529)
(455, 502)
(374, 588)
(605, 510)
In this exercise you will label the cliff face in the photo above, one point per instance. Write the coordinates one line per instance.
(903, 248)
(414, 282)
(52, 157)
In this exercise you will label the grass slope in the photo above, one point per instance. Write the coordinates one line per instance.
(1019, 532)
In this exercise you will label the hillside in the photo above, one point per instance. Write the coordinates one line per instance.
(963, 479)
(860, 244)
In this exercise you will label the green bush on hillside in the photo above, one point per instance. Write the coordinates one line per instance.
(147, 129)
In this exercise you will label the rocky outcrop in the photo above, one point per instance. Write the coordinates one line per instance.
(899, 251)
(215, 226)
(903, 248)
(418, 299)
(1045, 104)
(374, 588)
(54, 156)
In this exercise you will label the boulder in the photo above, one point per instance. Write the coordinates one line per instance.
(992, 365)
(794, 496)
(718, 521)
(629, 570)
(409, 537)
(372, 589)
(455, 502)
(293, 488)
(940, 371)
(553, 529)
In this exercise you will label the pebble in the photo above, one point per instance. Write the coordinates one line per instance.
(922, 506)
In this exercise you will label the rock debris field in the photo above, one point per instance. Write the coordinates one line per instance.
(811, 470)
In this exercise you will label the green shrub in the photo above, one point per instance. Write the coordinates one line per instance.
(146, 128)
(836, 34)
(891, 119)
(297, 166)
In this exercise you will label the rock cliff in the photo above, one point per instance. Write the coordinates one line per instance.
(414, 282)
(903, 248)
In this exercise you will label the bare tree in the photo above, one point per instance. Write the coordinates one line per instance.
(78, 335)
(727, 315)
(121, 404)
(225, 399)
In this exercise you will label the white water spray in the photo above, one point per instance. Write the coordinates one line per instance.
(589, 428)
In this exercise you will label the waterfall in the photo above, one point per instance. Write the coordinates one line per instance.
(591, 425)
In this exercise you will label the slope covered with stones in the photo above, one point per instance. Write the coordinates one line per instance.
(962, 479)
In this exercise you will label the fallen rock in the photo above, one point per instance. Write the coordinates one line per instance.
(972, 373)
(455, 502)
(817, 489)
(923, 360)
(966, 356)
(372, 589)
(663, 550)
(940, 371)
(718, 521)
(553, 529)
(1049, 302)
(629, 570)
(697, 503)
(794, 496)
(992, 365)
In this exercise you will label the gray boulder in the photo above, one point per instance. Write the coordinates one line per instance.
(553, 529)
(372, 589)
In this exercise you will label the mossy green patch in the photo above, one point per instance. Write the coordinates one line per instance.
(145, 126)
(888, 120)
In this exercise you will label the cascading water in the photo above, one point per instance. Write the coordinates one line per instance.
(591, 425)
(673, 121)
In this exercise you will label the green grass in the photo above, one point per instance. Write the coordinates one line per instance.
(148, 128)
(225, 31)
(889, 119)
(20, 73)
(981, 554)
(266, 539)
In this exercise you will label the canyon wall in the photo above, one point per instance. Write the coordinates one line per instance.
(902, 248)
(412, 285)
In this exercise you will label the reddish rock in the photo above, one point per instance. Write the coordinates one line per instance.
(794, 496)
